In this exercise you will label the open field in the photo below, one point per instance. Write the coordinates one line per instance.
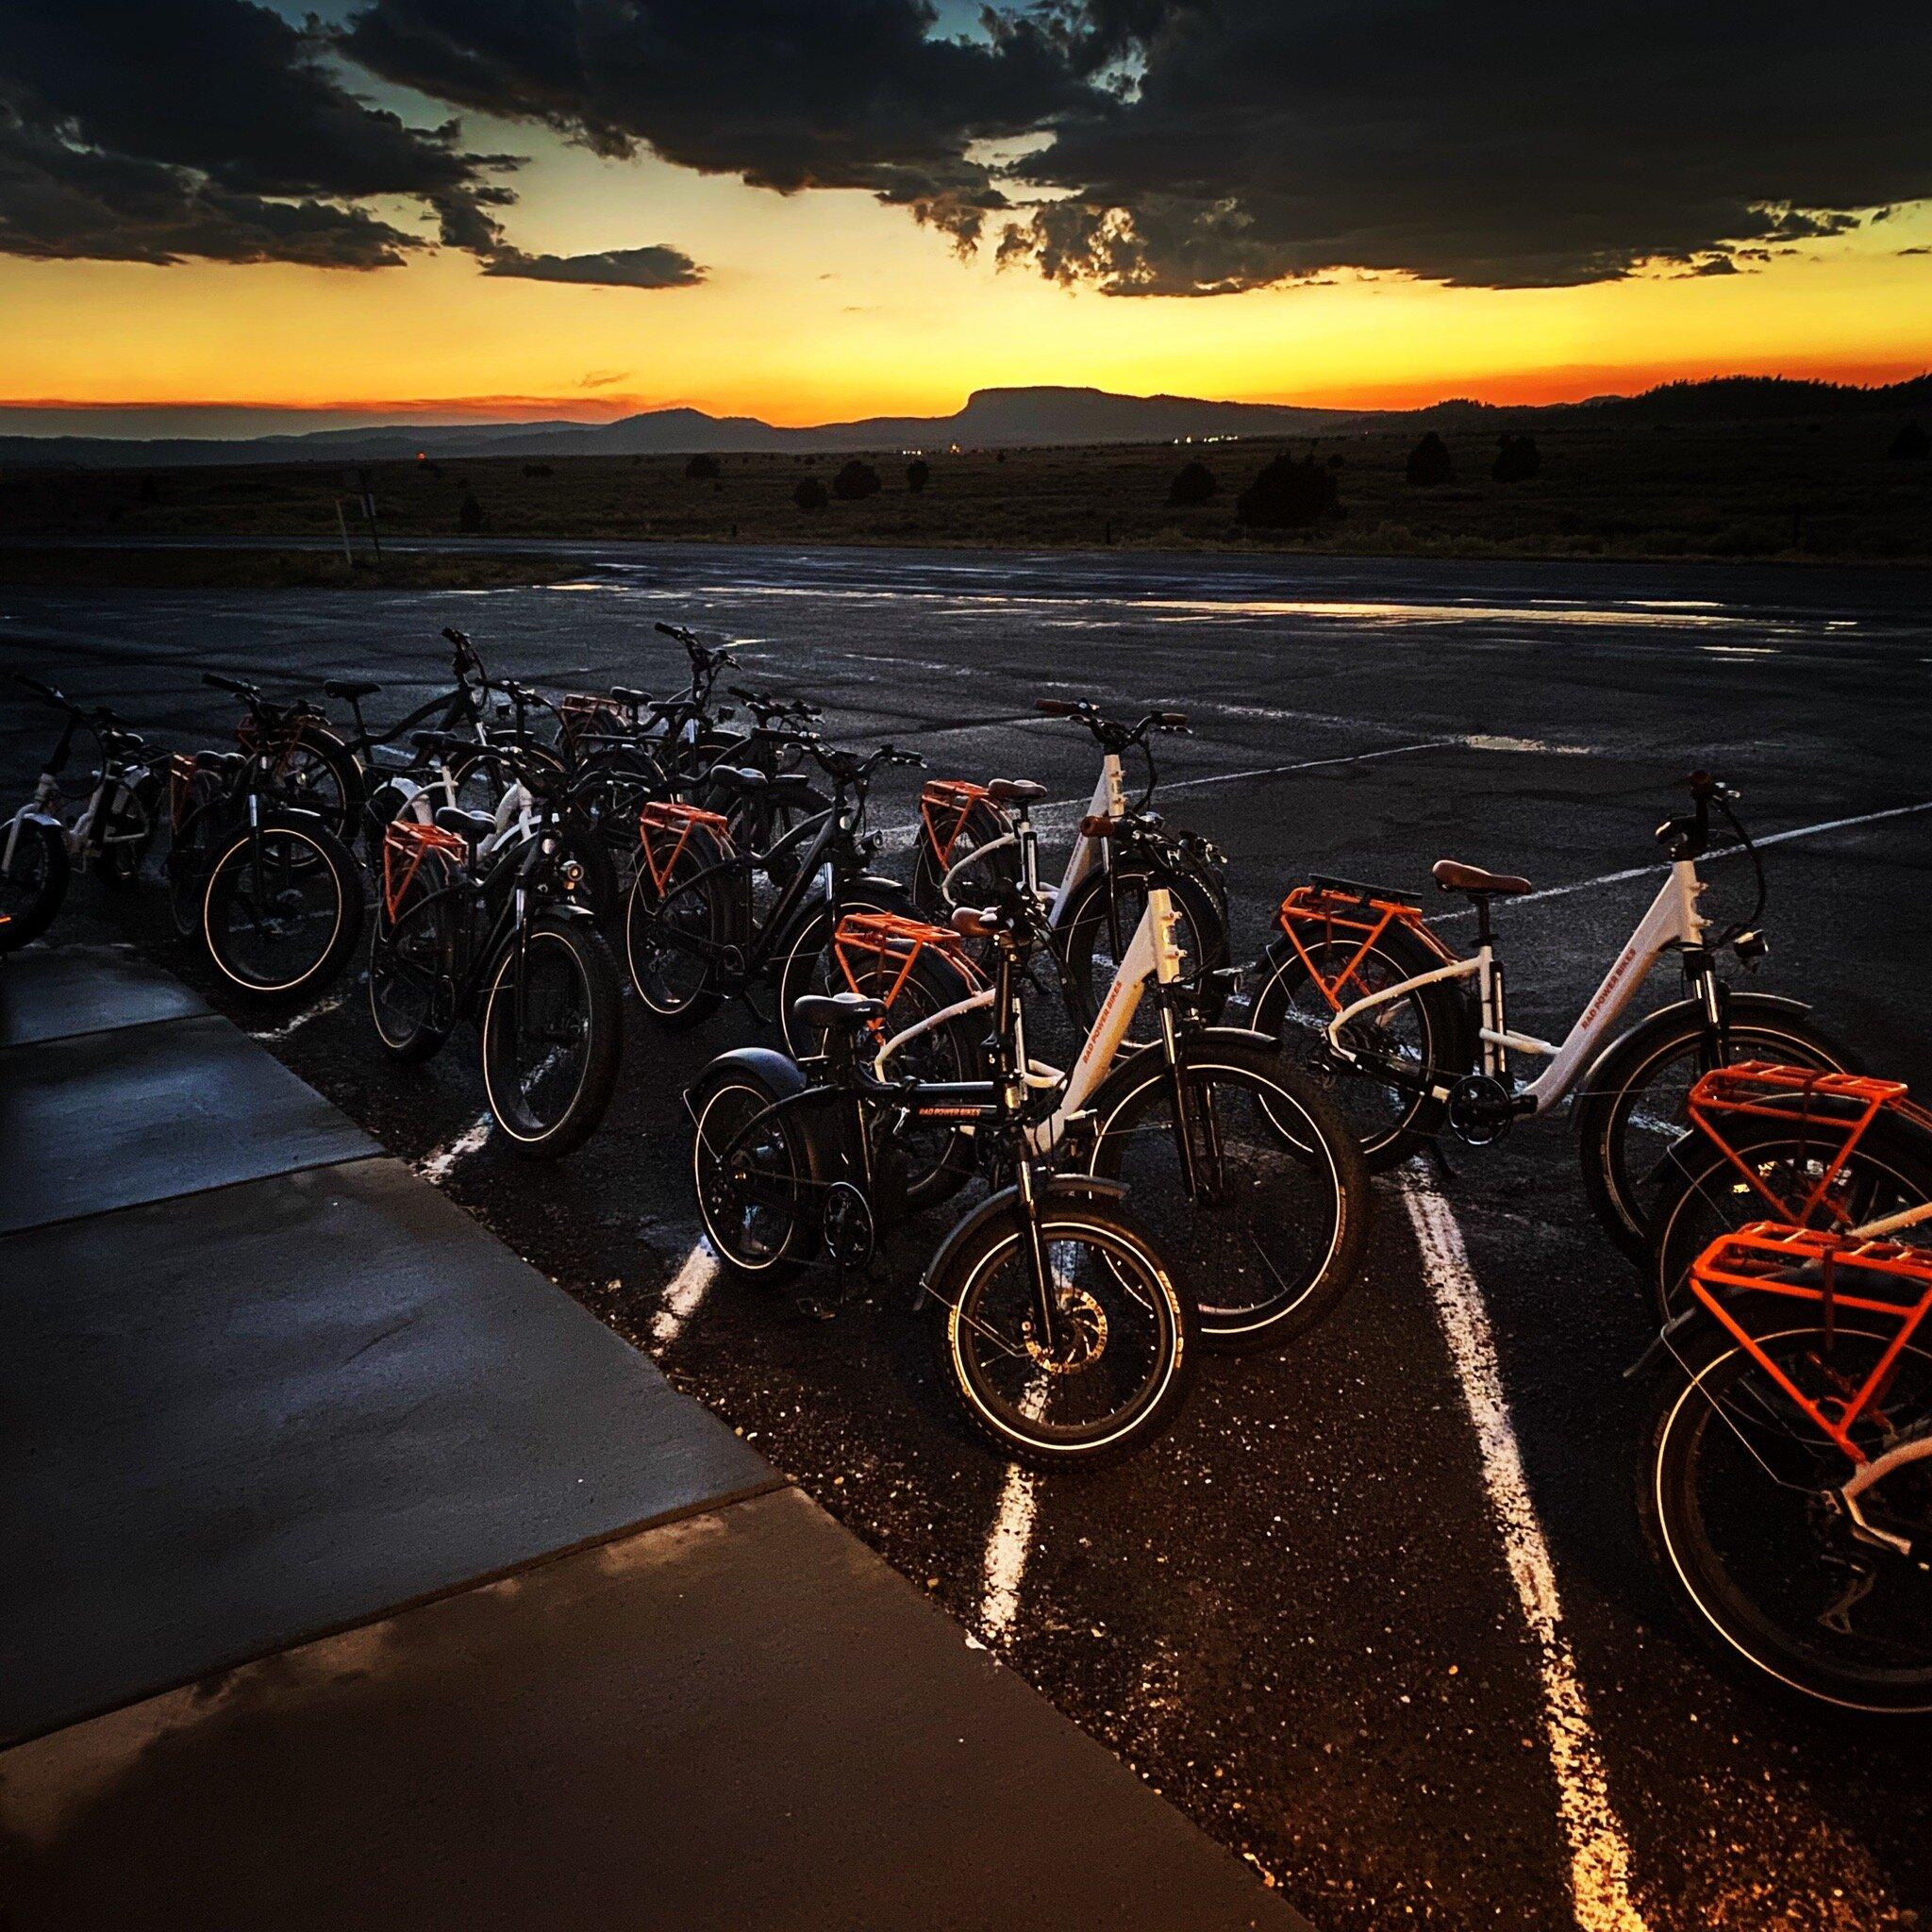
(1296, 1615)
(1823, 490)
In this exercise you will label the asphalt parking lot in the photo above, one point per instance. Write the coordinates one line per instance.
(1376, 1611)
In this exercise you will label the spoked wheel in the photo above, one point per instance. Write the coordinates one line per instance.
(752, 1169)
(1267, 1215)
(1738, 1499)
(282, 911)
(1703, 1193)
(1416, 1031)
(1091, 956)
(412, 976)
(551, 1045)
(1633, 1108)
(1122, 1355)
(677, 931)
(969, 873)
(33, 882)
(315, 773)
(191, 852)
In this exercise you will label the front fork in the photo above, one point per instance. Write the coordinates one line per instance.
(1702, 983)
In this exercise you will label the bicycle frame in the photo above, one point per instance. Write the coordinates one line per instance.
(1151, 956)
(113, 787)
(1673, 920)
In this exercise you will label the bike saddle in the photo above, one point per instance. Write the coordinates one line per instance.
(973, 922)
(473, 826)
(1453, 877)
(350, 689)
(794, 786)
(627, 694)
(736, 778)
(849, 1010)
(1015, 791)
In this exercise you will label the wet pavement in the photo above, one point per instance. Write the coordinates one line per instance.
(1305, 1615)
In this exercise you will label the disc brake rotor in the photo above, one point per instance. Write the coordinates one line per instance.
(1082, 1336)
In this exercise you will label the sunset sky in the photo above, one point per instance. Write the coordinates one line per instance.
(805, 212)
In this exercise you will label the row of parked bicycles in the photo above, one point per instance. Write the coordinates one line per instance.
(1176, 1149)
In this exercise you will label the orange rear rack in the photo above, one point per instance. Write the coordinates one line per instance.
(947, 802)
(405, 844)
(1337, 909)
(666, 818)
(1839, 1107)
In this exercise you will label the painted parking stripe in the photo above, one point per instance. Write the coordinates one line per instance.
(438, 1167)
(1647, 871)
(1599, 1853)
(684, 1294)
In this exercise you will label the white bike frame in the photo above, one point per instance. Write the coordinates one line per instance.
(44, 805)
(1671, 920)
(1090, 854)
(1151, 954)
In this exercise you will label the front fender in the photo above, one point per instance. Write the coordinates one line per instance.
(1603, 1071)
(1060, 1186)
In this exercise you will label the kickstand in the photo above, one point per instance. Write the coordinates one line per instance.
(1439, 1160)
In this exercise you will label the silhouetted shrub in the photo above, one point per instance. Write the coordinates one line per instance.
(1911, 445)
(999, 456)
(470, 518)
(702, 467)
(1429, 463)
(918, 474)
(1517, 460)
(855, 482)
(1192, 484)
(811, 495)
(1289, 495)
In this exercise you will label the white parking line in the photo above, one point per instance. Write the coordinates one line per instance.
(1645, 872)
(268, 1035)
(436, 1168)
(1007, 1549)
(684, 1293)
(1599, 1853)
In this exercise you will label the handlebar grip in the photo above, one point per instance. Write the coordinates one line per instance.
(39, 690)
(215, 679)
(451, 635)
(1055, 708)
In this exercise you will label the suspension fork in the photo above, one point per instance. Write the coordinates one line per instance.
(1181, 1102)
(1707, 989)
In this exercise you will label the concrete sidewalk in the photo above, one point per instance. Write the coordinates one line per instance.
(351, 1573)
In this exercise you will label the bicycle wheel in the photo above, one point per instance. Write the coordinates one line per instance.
(1736, 1501)
(1701, 1194)
(980, 877)
(679, 930)
(128, 834)
(413, 970)
(33, 882)
(1426, 1030)
(1270, 1231)
(1632, 1106)
(317, 772)
(808, 964)
(930, 1160)
(1085, 943)
(752, 1168)
(191, 852)
(1124, 1355)
(551, 1045)
(282, 911)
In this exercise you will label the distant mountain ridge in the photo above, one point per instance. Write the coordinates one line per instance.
(992, 419)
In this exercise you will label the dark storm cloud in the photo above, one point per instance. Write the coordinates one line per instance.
(1493, 144)
(840, 93)
(62, 202)
(151, 132)
(616, 268)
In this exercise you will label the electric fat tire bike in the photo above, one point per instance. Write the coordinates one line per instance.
(503, 940)
(969, 847)
(48, 838)
(1785, 1484)
(1066, 1335)
(271, 891)
(1419, 1037)
(694, 934)
(1236, 1160)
